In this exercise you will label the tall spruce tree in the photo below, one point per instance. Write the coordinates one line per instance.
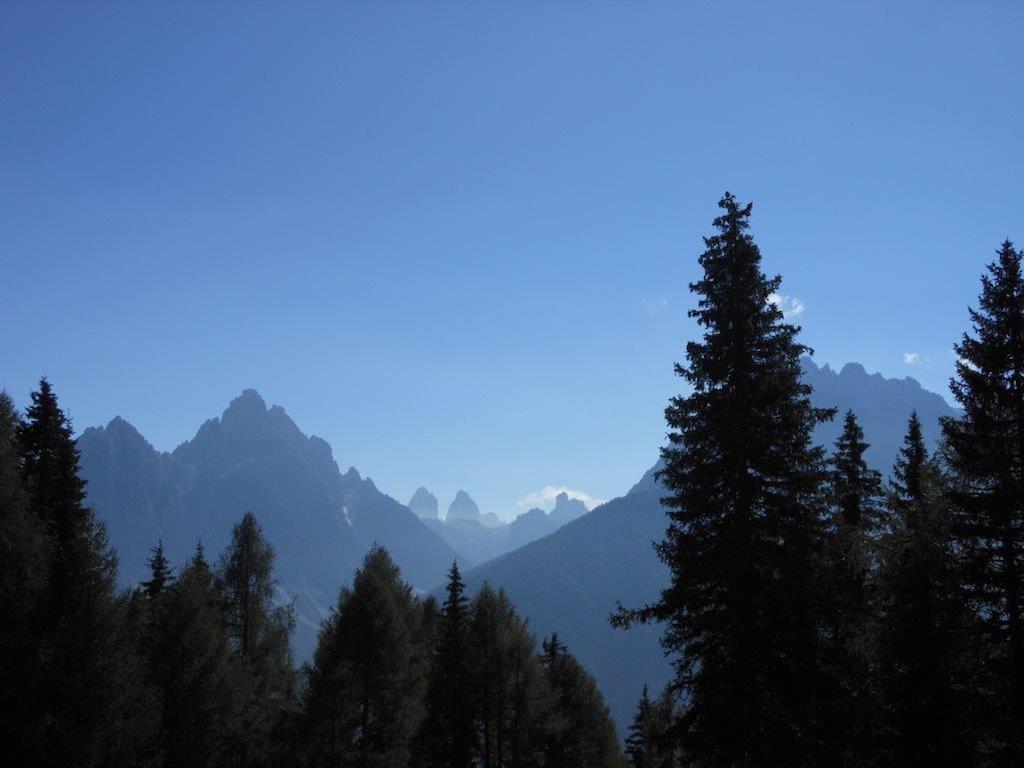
(260, 632)
(161, 573)
(448, 738)
(23, 579)
(923, 620)
(581, 733)
(849, 703)
(984, 449)
(95, 706)
(363, 701)
(743, 478)
(640, 735)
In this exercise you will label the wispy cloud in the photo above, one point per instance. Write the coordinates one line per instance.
(790, 306)
(654, 306)
(545, 497)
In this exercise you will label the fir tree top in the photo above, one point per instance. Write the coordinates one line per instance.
(908, 474)
(855, 484)
(50, 458)
(161, 573)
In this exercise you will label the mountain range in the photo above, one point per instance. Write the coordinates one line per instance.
(479, 538)
(565, 570)
(320, 521)
(253, 458)
(571, 580)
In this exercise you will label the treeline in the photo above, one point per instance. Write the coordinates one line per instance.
(193, 667)
(816, 614)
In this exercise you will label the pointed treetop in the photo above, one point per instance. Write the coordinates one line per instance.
(50, 460)
(456, 587)
(854, 483)
(908, 473)
(161, 573)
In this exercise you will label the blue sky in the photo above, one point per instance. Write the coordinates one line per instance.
(454, 239)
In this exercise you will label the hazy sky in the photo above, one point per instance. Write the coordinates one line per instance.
(454, 239)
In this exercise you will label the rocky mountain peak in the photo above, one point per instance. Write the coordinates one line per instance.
(567, 508)
(463, 508)
(424, 504)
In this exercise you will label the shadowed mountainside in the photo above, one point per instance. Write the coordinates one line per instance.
(256, 459)
(571, 580)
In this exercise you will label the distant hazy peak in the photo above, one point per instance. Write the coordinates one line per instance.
(567, 509)
(463, 508)
(534, 513)
(249, 402)
(854, 374)
(491, 520)
(424, 504)
(120, 432)
(123, 427)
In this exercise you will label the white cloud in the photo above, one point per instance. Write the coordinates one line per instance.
(911, 358)
(654, 306)
(545, 497)
(790, 306)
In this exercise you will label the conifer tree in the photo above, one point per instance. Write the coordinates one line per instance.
(663, 746)
(984, 449)
(194, 670)
(23, 577)
(449, 737)
(652, 739)
(582, 734)
(363, 702)
(743, 478)
(509, 693)
(849, 704)
(639, 737)
(521, 739)
(96, 708)
(923, 619)
(161, 574)
(260, 633)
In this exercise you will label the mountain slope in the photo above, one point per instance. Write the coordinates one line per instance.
(253, 459)
(571, 580)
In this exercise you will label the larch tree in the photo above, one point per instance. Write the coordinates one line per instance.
(192, 663)
(510, 696)
(260, 633)
(363, 700)
(582, 734)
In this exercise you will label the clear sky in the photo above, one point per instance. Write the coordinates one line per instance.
(454, 239)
